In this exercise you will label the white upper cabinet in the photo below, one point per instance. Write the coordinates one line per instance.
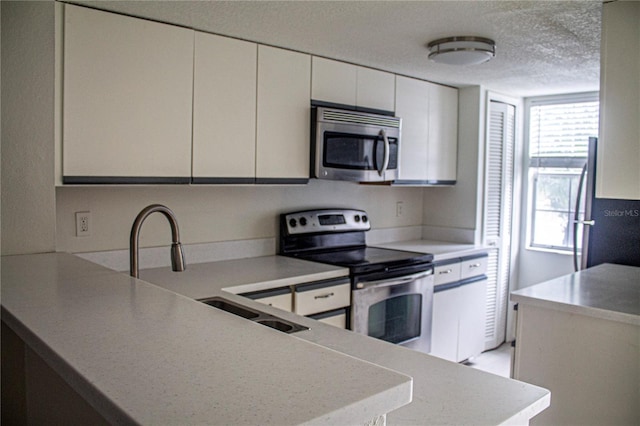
(412, 105)
(127, 99)
(342, 83)
(375, 89)
(443, 134)
(333, 81)
(283, 121)
(618, 160)
(224, 110)
(429, 139)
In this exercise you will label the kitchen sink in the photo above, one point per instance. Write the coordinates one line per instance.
(225, 305)
(254, 315)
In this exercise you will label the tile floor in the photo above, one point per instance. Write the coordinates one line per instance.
(496, 361)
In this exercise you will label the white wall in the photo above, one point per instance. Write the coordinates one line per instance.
(28, 197)
(218, 213)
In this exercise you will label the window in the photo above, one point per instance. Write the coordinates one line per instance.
(558, 135)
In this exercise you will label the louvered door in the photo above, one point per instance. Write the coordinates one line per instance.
(498, 214)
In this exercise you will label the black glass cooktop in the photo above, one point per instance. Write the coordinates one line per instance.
(367, 259)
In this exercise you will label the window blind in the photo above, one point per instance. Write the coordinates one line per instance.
(561, 130)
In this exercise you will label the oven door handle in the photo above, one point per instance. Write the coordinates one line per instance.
(385, 162)
(394, 281)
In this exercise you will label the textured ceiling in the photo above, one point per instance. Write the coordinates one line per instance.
(543, 47)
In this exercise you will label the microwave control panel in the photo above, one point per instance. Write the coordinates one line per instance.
(329, 220)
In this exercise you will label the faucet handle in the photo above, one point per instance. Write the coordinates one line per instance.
(178, 263)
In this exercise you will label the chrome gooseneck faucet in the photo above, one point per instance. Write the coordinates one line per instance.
(177, 256)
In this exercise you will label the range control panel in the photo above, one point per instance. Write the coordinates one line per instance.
(326, 220)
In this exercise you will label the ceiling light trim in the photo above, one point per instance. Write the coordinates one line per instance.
(462, 50)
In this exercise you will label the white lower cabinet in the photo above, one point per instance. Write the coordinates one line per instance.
(471, 320)
(444, 325)
(457, 331)
(326, 301)
(280, 298)
(336, 318)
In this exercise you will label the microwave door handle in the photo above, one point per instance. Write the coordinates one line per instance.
(385, 162)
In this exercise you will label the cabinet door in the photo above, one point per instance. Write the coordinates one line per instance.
(471, 326)
(224, 110)
(333, 81)
(618, 157)
(339, 321)
(444, 326)
(127, 99)
(443, 134)
(281, 301)
(375, 89)
(284, 87)
(412, 105)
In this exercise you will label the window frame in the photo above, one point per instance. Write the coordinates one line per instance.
(530, 186)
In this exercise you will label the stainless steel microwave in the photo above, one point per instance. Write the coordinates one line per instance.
(355, 146)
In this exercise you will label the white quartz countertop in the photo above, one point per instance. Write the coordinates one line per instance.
(444, 393)
(113, 313)
(441, 250)
(202, 280)
(605, 291)
(141, 354)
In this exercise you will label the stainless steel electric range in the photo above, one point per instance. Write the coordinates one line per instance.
(392, 290)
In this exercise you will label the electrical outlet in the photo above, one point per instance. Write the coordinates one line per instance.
(399, 208)
(83, 224)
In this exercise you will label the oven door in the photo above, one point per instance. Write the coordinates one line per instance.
(397, 310)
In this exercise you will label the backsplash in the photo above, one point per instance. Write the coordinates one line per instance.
(154, 257)
(209, 214)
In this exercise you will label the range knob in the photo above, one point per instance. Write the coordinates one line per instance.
(303, 221)
(293, 223)
(357, 218)
(365, 219)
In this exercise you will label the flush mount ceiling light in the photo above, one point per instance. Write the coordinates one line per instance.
(462, 50)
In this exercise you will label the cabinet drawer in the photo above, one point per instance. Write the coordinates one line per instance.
(280, 298)
(473, 266)
(447, 273)
(337, 318)
(322, 296)
(283, 301)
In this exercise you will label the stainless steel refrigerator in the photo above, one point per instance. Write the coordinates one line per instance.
(611, 227)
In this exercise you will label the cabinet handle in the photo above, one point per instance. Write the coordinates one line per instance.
(324, 296)
(448, 271)
(474, 265)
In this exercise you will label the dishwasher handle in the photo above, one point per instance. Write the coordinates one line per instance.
(394, 281)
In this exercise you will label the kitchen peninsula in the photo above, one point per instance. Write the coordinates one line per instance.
(139, 353)
(579, 336)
